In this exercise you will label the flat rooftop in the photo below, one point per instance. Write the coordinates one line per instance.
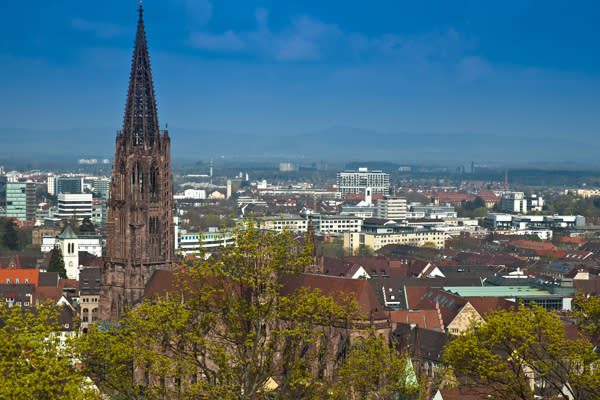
(497, 291)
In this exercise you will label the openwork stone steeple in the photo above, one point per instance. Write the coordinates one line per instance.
(139, 226)
(141, 119)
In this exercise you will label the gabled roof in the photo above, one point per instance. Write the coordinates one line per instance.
(421, 343)
(414, 295)
(484, 305)
(67, 233)
(16, 292)
(48, 293)
(577, 255)
(540, 248)
(161, 282)
(89, 260)
(449, 304)
(48, 279)
(380, 266)
(23, 275)
(426, 319)
(25, 260)
(338, 267)
(331, 286)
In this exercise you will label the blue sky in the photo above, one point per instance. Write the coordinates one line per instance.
(279, 69)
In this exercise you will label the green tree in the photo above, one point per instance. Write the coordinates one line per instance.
(430, 245)
(333, 248)
(57, 262)
(365, 251)
(228, 329)
(108, 352)
(87, 227)
(473, 205)
(512, 348)
(10, 238)
(587, 314)
(374, 370)
(35, 362)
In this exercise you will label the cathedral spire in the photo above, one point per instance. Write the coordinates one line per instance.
(140, 124)
(140, 233)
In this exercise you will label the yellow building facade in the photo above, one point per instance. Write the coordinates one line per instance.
(352, 241)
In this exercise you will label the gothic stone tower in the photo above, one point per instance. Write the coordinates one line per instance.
(139, 227)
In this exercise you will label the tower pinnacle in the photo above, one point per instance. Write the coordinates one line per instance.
(140, 124)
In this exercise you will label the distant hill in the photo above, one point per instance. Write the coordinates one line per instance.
(335, 143)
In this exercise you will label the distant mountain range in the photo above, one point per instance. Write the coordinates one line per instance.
(335, 143)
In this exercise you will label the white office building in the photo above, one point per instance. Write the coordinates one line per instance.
(514, 202)
(357, 181)
(193, 243)
(78, 205)
(320, 223)
(392, 208)
(518, 202)
(523, 222)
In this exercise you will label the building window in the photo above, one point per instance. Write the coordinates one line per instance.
(8, 281)
(17, 281)
(26, 280)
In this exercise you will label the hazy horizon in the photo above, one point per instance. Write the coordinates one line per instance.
(516, 82)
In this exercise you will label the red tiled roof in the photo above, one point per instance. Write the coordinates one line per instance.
(414, 294)
(427, 319)
(449, 304)
(331, 286)
(484, 305)
(47, 293)
(453, 197)
(382, 265)
(577, 255)
(68, 283)
(31, 275)
(540, 248)
(338, 267)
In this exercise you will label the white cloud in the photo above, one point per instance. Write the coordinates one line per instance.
(199, 11)
(102, 30)
(227, 41)
(308, 39)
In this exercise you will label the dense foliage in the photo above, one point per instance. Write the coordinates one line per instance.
(35, 360)
(525, 353)
(12, 238)
(230, 332)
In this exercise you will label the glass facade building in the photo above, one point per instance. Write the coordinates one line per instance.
(20, 201)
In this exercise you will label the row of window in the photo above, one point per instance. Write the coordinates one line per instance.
(92, 300)
(17, 281)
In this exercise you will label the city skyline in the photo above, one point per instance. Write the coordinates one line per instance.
(464, 76)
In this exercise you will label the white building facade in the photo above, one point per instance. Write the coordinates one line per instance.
(78, 205)
(357, 181)
(392, 208)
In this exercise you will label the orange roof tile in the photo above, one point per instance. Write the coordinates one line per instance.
(427, 319)
(23, 275)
